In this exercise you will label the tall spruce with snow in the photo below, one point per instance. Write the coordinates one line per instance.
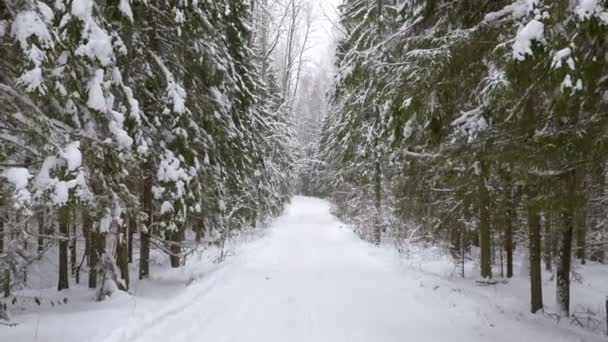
(353, 145)
(554, 106)
(486, 105)
(440, 51)
(132, 117)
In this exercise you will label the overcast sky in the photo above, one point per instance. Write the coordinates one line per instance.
(324, 34)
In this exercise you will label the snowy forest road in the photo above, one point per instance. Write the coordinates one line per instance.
(309, 279)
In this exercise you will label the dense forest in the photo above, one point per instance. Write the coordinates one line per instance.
(473, 123)
(131, 121)
(128, 127)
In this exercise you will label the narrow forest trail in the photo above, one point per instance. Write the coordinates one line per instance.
(311, 280)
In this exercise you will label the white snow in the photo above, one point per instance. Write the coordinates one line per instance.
(117, 130)
(534, 31)
(166, 207)
(590, 8)
(62, 189)
(106, 222)
(568, 83)
(125, 8)
(61, 193)
(28, 24)
(71, 158)
(3, 25)
(135, 111)
(96, 98)
(19, 178)
(71, 154)
(516, 10)
(82, 9)
(408, 128)
(560, 56)
(43, 179)
(46, 12)
(175, 91)
(31, 79)
(98, 45)
(170, 169)
(471, 123)
(123, 138)
(308, 279)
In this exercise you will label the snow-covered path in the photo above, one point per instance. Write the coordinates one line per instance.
(311, 280)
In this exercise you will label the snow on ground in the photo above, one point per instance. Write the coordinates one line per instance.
(308, 279)
(588, 288)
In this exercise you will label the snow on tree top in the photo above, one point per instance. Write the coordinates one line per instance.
(533, 31)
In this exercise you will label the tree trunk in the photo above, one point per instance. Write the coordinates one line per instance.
(144, 255)
(25, 247)
(122, 252)
(563, 267)
(41, 231)
(565, 250)
(555, 239)
(7, 282)
(485, 235)
(86, 231)
(200, 230)
(508, 239)
(377, 203)
(2, 217)
(509, 249)
(64, 232)
(96, 249)
(130, 235)
(548, 243)
(534, 228)
(175, 248)
(596, 212)
(73, 256)
(581, 234)
(144, 235)
(289, 52)
(455, 233)
(581, 218)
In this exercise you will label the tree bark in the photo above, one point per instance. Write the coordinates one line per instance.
(144, 235)
(122, 253)
(73, 256)
(64, 232)
(7, 282)
(96, 249)
(41, 231)
(509, 249)
(581, 218)
(86, 232)
(175, 248)
(534, 228)
(565, 250)
(508, 239)
(377, 164)
(555, 239)
(485, 235)
(548, 256)
(596, 213)
(581, 235)
(563, 267)
(377, 202)
(2, 232)
(130, 235)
